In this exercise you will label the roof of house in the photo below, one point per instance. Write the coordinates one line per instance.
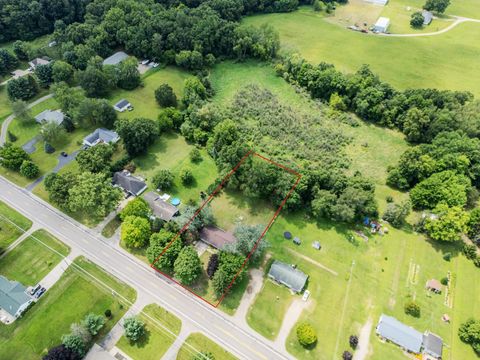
(427, 17)
(38, 61)
(116, 58)
(101, 135)
(12, 295)
(49, 116)
(382, 22)
(121, 104)
(129, 183)
(432, 344)
(160, 207)
(287, 275)
(216, 237)
(434, 284)
(391, 329)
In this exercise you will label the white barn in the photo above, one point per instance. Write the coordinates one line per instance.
(381, 25)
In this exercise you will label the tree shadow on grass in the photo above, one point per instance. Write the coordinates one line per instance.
(143, 341)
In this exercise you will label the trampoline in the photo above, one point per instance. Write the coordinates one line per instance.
(287, 235)
(175, 201)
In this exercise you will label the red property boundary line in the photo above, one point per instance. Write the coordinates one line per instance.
(209, 199)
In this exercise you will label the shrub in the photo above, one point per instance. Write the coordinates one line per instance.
(212, 265)
(11, 137)
(108, 313)
(347, 355)
(29, 169)
(353, 340)
(187, 177)
(93, 323)
(470, 251)
(306, 334)
(447, 256)
(134, 328)
(163, 180)
(444, 281)
(416, 21)
(165, 96)
(413, 309)
(49, 149)
(195, 156)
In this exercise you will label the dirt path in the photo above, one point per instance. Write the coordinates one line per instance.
(316, 263)
(363, 341)
(291, 316)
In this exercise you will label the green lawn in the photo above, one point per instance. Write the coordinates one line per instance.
(9, 232)
(201, 343)
(143, 98)
(31, 260)
(266, 313)
(68, 301)
(111, 227)
(403, 62)
(157, 340)
(467, 8)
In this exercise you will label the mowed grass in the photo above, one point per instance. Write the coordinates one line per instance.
(111, 227)
(68, 301)
(162, 328)
(467, 8)
(198, 342)
(417, 62)
(10, 232)
(143, 98)
(266, 313)
(31, 260)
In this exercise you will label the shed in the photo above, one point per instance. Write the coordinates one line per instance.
(432, 345)
(286, 275)
(49, 116)
(397, 332)
(116, 58)
(296, 241)
(101, 136)
(122, 105)
(427, 17)
(38, 61)
(161, 208)
(434, 285)
(216, 237)
(130, 184)
(377, 2)
(381, 25)
(316, 245)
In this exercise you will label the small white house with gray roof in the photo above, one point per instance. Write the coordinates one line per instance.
(287, 275)
(116, 58)
(101, 136)
(49, 116)
(13, 300)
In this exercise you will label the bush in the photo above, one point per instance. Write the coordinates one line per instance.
(447, 256)
(165, 96)
(212, 265)
(49, 149)
(11, 137)
(187, 177)
(353, 340)
(306, 334)
(347, 355)
(134, 328)
(317, 5)
(470, 251)
(195, 156)
(413, 309)
(163, 180)
(29, 169)
(416, 21)
(444, 281)
(108, 313)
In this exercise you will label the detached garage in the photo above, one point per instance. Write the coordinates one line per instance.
(381, 25)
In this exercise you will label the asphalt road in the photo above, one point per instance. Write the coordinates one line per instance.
(231, 334)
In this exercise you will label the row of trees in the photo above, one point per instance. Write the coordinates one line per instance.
(15, 158)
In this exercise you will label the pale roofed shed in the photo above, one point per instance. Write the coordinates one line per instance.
(216, 237)
(397, 332)
(382, 25)
(116, 58)
(427, 17)
(161, 209)
(434, 285)
(286, 275)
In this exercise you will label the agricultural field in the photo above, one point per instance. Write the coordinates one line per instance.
(31, 260)
(417, 62)
(157, 340)
(203, 344)
(69, 300)
(10, 232)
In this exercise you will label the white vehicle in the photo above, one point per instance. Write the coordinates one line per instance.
(306, 295)
(145, 62)
(155, 65)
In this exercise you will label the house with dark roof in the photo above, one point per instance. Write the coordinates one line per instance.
(216, 237)
(287, 275)
(432, 346)
(130, 184)
(38, 61)
(407, 338)
(101, 136)
(161, 208)
(13, 300)
(49, 116)
(116, 58)
(122, 105)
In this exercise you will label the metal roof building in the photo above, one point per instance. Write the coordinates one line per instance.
(116, 58)
(397, 332)
(382, 25)
(432, 345)
(49, 116)
(285, 274)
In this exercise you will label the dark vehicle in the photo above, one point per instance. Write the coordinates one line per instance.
(64, 154)
(35, 289)
(40, 292)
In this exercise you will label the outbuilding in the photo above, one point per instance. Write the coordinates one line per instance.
(427, 17)
(49, 116)
(116, 58)
(123, 105)
(407, 338)
(381, 25)
(434, 286)
(286, 275)
(38, 61)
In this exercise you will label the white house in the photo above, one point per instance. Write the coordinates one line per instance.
(13, 300)
(101, 136)
(381, 25)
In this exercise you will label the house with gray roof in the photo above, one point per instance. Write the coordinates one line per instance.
(38, 61)
(432, 345)
(49, 116)
(216, 237)
(406, 337)
(13, 300)
(161, 208)
(116, 58)
(287, 275)
(130, 184)
(101, 136)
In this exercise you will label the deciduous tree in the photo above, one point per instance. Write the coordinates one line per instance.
(135, 232)
(187, 266)
(134, 328)
(165, 96)
(137, 134)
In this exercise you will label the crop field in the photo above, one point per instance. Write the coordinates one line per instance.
(417, 62)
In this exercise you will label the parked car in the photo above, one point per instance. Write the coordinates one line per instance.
(35, 289)
(306, 295)
(145, 62)
(64, 154)
(129, 107)
(40, 292)
(155, 64)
